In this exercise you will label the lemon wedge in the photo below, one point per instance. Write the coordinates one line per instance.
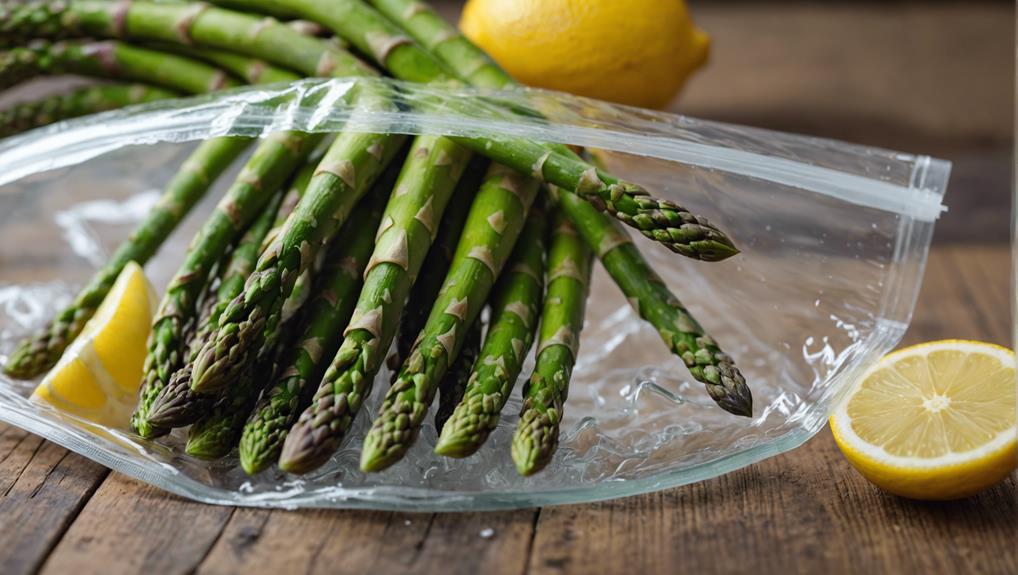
(933, 421)
(97, 377)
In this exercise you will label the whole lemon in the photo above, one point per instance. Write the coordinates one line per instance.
(636, 52)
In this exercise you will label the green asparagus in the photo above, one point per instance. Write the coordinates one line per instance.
(569, 263)
(515, 305)
(655, 303)
(274, 160)
(175, 406)
(454, 383)
(330, 310)
(407, 231)
(111, 59)
(495, 220)
(80, 102)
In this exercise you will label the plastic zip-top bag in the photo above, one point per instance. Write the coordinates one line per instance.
(833, 241)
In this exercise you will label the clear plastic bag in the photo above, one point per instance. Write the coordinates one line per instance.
(833, 236)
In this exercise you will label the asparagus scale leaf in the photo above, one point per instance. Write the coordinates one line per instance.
(569, 263)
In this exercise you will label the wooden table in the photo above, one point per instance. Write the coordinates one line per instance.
(893, 76)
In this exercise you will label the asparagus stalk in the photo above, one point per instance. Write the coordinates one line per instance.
(175, 405)
(492, 227)
(569, 263)
(655, 303)
(472, 64)
(80, 102)
(263, 175)
(454, 383)
(515, 305)
(252, 70)
(329, 311)
(436, 265)
(411, 219)
(110, 59)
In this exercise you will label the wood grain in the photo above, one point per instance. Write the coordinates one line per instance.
(42, 489)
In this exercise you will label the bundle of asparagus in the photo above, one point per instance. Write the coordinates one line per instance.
(237, 351)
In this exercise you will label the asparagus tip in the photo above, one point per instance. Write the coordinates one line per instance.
(715, 250)
(455, 446)
(738, 403)
(250, 463)
(203, 449)
(374, 459)
(300, 453)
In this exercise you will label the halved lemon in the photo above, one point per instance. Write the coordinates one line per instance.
(933, 421)
(97, 377)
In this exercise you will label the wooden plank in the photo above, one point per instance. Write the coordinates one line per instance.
(260, 541)
(130, 527)
(42, 489)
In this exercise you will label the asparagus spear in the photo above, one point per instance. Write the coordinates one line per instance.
(471, 63)
(263, 175)
(330, 310)
(80, 102)
(660, 220)
(436, 265)
(174, 406)
(110, 59)
(569, 263)
(454, 383)
(658, 305)
(493, 224)
(410, 221)
(515, 304)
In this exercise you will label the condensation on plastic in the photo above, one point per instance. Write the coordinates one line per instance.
(833, 236)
